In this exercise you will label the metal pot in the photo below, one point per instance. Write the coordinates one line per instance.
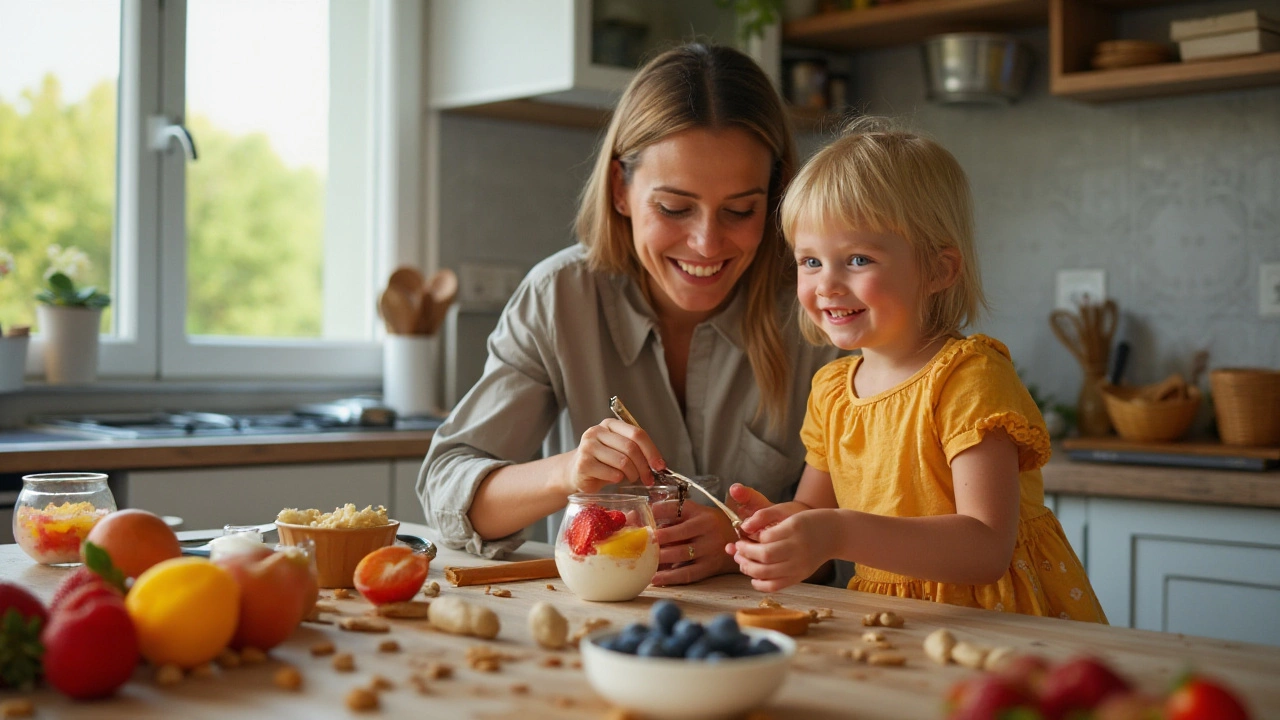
(983, 68)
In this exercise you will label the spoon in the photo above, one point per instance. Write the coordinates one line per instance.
(443, 289)
(396, 311)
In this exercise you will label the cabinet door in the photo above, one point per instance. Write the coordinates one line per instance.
(1210, 571)
(406, 507)
(252, 495)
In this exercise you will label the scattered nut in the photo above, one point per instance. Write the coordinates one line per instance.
(324, 647)
(168, 674)
(520, 689)
(589, 626)
(324, 607)
(501, 593)
(769, 602)
(342, 594)
(823, 613)
(17, 708)
(968, 654)
(454, 615)
(997, 658)
(872, 636)
(551, 587)
(860, 654)
(364, 624)
(891, 620)
(484, 658)
(344, 662)
(431, 589)
(410, 610)
(575, 664)
(377, 683)
(938, 646)
(316, 617)
(228, 658)
(887, 659)
(617, 713)
(420, 684)
(388, 646)
(438, 671)
(252, 656)
(287, 678)
(561, 701)
(551, 661)
(548, 626)
(362, 699)
(203, 670)
(871, 619)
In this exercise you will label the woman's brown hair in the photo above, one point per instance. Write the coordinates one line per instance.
(709, 87)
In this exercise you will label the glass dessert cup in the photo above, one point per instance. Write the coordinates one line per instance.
(606, 550)
(55, 511)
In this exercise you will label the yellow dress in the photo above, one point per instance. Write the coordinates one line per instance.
(891, 454)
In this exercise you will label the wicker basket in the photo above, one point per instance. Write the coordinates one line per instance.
(1141, 419)
(1246, 402)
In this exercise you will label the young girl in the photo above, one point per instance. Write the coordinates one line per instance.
(924, 453)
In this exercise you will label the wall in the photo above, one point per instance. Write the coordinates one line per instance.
(1177, 199)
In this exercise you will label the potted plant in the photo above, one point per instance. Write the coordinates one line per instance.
(13, 346)
(69, 318)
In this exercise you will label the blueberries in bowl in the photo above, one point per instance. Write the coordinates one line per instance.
(672, 636)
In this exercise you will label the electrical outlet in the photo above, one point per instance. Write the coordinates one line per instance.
(1269, 290)
(1075, 286)
(487, 285)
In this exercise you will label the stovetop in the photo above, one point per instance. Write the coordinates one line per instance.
(171, 424)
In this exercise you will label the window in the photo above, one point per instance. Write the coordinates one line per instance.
(259, 257)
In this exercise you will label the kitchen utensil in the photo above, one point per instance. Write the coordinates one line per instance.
(356, 411)
(424, 317)
(1087, 334)
(1119, 363)
(984, 68)
(620, 411)
(397, 311)
(443, 288)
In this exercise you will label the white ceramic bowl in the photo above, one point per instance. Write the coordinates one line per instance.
(675, 689)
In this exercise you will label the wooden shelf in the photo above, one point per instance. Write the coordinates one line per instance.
(911, 21)
(1175, 78)
(545, 113)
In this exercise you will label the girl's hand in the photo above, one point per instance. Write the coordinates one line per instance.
(788, 552)
(705, 530)
(757, 512)
(609, 453)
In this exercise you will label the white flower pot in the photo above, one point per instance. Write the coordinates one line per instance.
(13, 360)
(70, 337)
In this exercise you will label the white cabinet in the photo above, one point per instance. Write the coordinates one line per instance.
(211, 498)
(1212, 571)
(405, 505)
(571, 52)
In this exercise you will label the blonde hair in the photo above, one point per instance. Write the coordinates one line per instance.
(702, 86)
(880, 179)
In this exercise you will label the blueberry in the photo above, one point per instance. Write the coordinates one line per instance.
(698, 650)
(651, 647)
(689, 630)
(716, 656)
(627, 643)
(636, 629)
(723, 632)
(741, 646)
(664, 615)
(764, 646)
(675, 646)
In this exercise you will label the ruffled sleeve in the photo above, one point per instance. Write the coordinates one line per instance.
(975, 389)
(827, 391)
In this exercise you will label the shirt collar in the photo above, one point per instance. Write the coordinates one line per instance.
(632, 321)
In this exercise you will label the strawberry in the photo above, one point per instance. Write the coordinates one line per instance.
(590, 525)
(91, 646)
(22, 616)
(97, 571)
(1078, 685)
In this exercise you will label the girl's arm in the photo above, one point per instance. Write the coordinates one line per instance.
(971, 547)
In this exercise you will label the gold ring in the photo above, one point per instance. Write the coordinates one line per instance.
(691, 552)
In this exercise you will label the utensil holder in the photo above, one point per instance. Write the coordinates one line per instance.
(409, 371)
(1091, 409)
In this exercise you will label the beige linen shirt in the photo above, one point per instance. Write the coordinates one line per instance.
(568, 340)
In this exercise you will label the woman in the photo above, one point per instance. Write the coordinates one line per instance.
(671, 300)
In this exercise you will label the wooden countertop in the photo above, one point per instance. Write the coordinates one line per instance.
(821, 684)
(203, 452)
(1146, 482)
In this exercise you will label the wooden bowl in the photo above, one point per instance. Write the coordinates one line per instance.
(339, 550)
(1138, 417)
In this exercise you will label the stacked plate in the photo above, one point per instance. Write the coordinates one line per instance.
(1113, 54)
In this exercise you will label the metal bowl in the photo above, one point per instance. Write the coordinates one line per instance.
(981, 68)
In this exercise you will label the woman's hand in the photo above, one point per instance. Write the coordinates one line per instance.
(789, 551)
(609, 453)
(693, 549)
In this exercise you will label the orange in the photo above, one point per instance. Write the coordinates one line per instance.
(135, 540)
(626, 543)
(185, 611)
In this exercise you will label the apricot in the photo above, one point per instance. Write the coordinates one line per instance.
(135, 540)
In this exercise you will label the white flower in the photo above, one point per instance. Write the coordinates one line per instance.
(1076, 593)
(71, 262)
(6, 262)
(1062, 566)
(999, 607)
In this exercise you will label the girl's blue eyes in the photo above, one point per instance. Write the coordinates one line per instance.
(814, 263)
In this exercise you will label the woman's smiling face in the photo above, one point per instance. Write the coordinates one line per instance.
(698, 203)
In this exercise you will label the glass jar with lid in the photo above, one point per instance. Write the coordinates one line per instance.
(606, 549)
(55, 511)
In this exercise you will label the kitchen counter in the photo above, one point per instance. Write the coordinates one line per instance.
(60, 453)
(1146, 482)
(821, 684)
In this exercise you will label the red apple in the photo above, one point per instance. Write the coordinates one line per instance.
(1078, 684)
(277, 590)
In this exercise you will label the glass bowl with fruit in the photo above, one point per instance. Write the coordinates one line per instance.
(55, 511)
(676, 667)
(606, 549)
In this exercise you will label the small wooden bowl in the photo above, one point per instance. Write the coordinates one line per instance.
(787, 622)
(339, 550)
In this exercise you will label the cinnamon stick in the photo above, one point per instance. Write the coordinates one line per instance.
(502, 573)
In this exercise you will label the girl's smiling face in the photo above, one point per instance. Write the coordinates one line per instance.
(698, 202)
(861, 288)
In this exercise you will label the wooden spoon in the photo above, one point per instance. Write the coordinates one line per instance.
(396, 312)
(424, 317)
(443, 289)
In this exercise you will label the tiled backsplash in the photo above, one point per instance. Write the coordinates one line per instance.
(1177, 199)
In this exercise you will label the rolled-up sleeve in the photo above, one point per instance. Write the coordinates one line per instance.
(501, 421)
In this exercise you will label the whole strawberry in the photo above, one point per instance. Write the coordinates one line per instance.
(590, 525)
(1077, 686)
(22, 617)
(91, 647)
